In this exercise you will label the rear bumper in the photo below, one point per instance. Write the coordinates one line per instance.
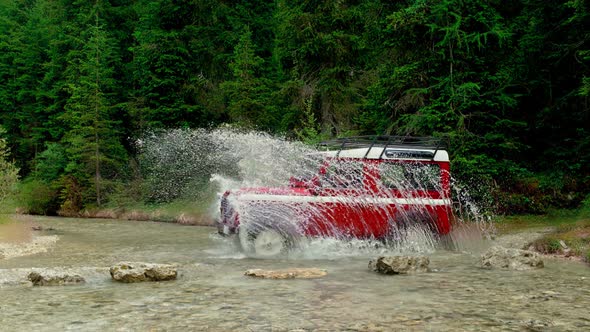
(228, 218)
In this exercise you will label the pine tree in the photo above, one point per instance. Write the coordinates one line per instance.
(179, 57)
(324, 49)
(249, 95)
(93, 141)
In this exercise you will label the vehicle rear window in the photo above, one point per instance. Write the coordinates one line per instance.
(413, 176)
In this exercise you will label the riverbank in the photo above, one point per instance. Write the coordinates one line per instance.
(159, 215)
(20, 236)
(37, 245)
(185, 213)
(563, 233)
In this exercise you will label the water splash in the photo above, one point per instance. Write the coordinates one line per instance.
(182, 163)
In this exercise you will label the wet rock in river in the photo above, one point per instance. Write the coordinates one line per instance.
(301, 273)
(537, 325)
(510, 258)
(400, 264)
(129, 272)
(53, 278)
(41, 228)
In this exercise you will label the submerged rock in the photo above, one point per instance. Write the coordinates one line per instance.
(400, 264)
(137, 272)
(52, 278)
(41, 228)
(537, 325)
(299, 273)
(510, 258)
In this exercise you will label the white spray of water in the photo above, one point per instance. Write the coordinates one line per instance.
(181, 162)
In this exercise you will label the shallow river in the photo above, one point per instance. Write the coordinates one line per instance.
(212, 293)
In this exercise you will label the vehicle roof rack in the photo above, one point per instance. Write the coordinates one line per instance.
(385, 142)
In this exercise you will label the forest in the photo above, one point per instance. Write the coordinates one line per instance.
(507, 83)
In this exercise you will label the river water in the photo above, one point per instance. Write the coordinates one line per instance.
(212, 293)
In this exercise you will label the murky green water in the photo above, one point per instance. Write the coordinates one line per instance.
(212, 294)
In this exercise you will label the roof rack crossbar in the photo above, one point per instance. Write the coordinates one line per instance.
(341, 147)
(370, 147)
(385, 147)
(440, 145)
(436, 149)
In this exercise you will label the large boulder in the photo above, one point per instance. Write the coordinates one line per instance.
(137, 272)
(400, 264)
(53, 278)
(293, 273)
(511, 259)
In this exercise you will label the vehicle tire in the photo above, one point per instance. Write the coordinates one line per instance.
(266, 241)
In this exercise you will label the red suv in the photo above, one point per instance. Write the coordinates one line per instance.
(368, 187)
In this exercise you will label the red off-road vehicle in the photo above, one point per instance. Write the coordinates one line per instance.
(368, 187)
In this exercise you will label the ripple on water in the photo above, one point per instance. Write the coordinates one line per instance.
(213, 294)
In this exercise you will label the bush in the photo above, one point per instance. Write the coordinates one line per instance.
(570, 238)
(585, 208)
(70, 196)
(547, 245)
(8, 171)
(518, 203)
(37, 197)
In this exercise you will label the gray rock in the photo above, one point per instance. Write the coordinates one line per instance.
(51, 278)
(400, 264)
(137, 272)
(512, 259)
(537, 325)
(293, 273)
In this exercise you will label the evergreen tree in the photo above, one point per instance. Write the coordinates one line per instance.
(250, 102)
(329, 51)
(507, 81)
(178, 59)
(93, 141)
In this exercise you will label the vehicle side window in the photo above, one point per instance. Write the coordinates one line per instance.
(410, 176)
(392, 175)
(344, 174)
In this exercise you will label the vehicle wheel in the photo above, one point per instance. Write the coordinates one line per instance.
(265, 242)
(270, 243)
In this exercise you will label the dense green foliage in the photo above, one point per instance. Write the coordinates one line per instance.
(8, 172)
(507, 81)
